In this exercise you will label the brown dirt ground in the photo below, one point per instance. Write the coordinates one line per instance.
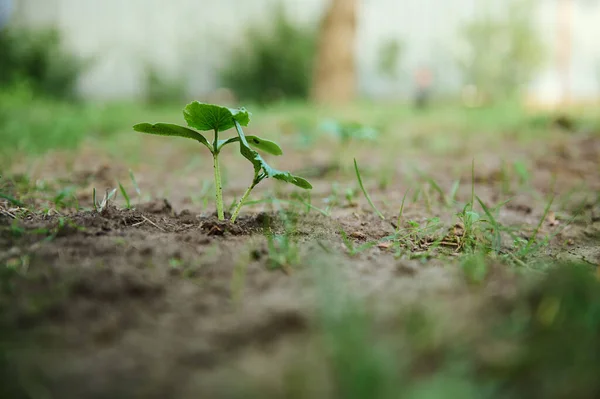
(165, 301)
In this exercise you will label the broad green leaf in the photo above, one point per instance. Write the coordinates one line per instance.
(206, 117)
(260, 165)
(242, 115)
(168, 129)
(265, 145)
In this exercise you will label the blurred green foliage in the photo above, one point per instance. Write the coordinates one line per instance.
(389, 57)
(273, 62)
(503, 52)
(161, 89)
(32, 124)
(558, 327)
(38, 57)
(541, 343)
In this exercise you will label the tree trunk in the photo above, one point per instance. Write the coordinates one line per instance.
(334, 78)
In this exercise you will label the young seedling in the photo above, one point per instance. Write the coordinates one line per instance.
(207, 117)
(99, 206)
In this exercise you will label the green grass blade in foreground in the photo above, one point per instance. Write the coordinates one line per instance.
(259, 143)
(169, 129)
(12, 200)
(436, 187)
(94, 201)
(362, 187)
(533, 237)
(497, 238)
(399, 221)
(125, 195)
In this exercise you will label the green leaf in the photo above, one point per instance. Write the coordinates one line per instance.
(206, 117)
(260, 165)
(367, 196)
(168, 129)
(242, 115)
(265, 145)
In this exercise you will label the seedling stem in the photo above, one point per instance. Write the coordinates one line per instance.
(241, 203)
(218, 184)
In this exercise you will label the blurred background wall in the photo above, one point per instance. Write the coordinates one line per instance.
(190, 41)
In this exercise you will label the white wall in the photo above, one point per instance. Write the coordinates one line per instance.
(190, 38)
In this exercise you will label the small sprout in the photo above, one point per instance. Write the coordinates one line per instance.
(351, 196)
(207, 117)
(360, 183)
(125, 195)
(108, 195)
(399, 221)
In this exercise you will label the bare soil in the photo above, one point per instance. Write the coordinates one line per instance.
(165, 301)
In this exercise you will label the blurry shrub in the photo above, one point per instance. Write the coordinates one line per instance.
(162, 90)
(502, 53)
(275, 61)
(389, 57)
(37, 57)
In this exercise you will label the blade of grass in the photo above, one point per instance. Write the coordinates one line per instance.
(539, 226)
(12, 200)
(497, 241)
(362, 187)
(451, 199)
(399, 220)
(125, 195)
(436, 187)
